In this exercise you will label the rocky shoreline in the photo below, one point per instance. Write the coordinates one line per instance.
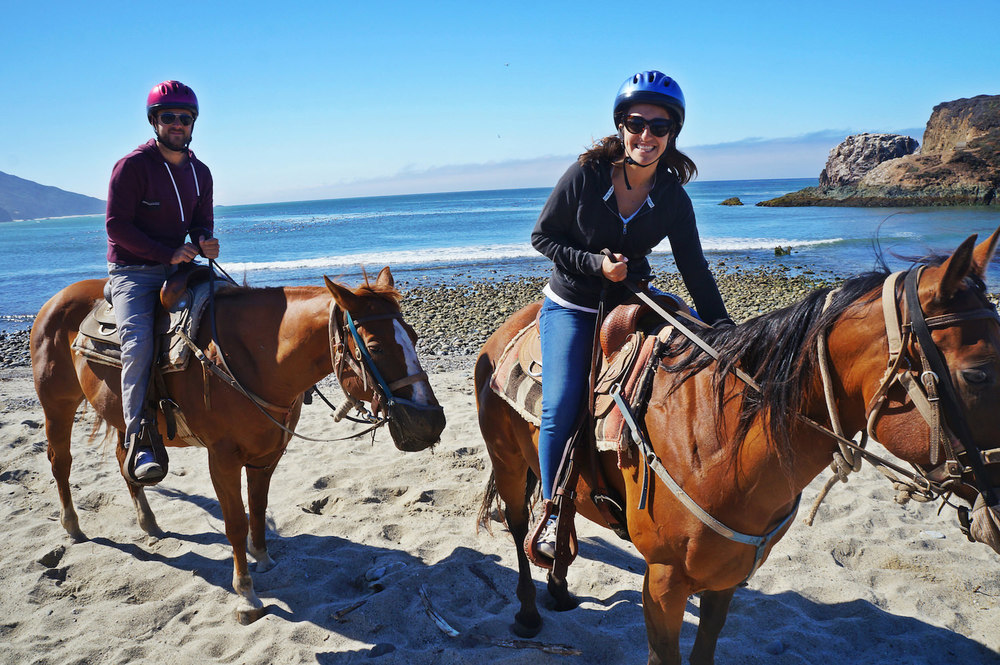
(454, 321)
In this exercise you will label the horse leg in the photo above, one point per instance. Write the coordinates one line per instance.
(559, 590)
(663, 599)
(59, 415)
(143, 513)
(712, 617)
(225, 469)
(258, 484)
(527, 621)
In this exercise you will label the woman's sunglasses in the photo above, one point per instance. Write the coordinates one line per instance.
(635, 124)
(170, 118)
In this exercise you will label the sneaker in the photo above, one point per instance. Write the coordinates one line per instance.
(546, 545)
(146, 465)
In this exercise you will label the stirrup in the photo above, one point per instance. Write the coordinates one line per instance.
(146, 438)
(566, 543)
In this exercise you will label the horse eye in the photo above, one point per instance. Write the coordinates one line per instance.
(374, 348)
(974, 376)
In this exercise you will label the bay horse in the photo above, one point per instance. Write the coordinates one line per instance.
(741, 458)
(278, 343)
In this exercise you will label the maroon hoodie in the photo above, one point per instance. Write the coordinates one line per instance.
(152, 205)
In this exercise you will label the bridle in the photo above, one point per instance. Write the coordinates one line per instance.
(360, 362)
(931, 390)
(933, 395)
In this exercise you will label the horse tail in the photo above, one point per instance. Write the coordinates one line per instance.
(491, 502)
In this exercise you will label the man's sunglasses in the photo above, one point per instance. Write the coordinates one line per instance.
(170, 118)
(635, 124)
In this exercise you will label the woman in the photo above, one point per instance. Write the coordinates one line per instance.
(624, 194)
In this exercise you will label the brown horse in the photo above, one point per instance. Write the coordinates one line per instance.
(278, 342)
(743, 457)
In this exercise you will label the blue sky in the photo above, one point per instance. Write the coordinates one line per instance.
(333, 99)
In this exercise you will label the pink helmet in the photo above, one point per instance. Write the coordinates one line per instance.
(171, 94)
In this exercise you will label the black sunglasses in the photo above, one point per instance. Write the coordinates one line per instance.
(635, 124)
(169, 118)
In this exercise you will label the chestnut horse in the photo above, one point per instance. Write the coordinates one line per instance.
(743, 457)
(278, 343)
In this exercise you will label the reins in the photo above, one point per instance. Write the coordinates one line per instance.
(928, 404)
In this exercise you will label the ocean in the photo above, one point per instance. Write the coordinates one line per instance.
(451, 238)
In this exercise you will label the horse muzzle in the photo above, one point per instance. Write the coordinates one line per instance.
(415, 427)
(984, 525)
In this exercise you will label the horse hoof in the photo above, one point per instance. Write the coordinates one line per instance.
(526, 629)
(248, 616)
(566, 604)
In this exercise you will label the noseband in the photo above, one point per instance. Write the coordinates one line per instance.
(931, 389)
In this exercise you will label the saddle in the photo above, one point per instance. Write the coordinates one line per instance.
(183, 299)
(627, 339)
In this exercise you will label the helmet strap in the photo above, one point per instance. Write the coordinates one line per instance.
(628, 160)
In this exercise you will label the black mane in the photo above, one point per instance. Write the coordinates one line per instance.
(778, 350)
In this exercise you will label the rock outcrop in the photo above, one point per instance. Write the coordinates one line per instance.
(857, 155)
(959, 164)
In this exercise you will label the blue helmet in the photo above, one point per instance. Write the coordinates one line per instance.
(650, 87)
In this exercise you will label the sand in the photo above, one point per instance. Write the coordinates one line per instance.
(363, 534)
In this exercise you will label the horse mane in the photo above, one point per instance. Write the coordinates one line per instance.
(778, 349)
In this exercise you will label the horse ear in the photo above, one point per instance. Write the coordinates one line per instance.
(984, 254)
(343, 295)
(956, 268)
(385, 279)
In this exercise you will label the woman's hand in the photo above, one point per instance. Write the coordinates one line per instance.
(615, 267)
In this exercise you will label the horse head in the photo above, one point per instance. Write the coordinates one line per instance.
(950, 348)
(375, 360)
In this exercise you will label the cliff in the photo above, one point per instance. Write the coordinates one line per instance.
(24, 199)
(958, 164)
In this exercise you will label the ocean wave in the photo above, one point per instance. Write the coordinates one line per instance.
(445, 255)
(496, 252)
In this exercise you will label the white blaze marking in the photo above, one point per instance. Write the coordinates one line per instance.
(421, 389)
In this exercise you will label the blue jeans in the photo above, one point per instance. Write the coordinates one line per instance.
(567, 340)
(135, 291)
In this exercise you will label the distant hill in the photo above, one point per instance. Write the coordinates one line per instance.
(24, 199)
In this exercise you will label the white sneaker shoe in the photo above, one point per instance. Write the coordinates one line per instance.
(547, 539)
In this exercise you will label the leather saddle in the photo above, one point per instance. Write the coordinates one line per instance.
(183, 298)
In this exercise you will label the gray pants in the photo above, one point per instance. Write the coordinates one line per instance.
(135, 291)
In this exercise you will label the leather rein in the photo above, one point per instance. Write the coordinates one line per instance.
(928, 484)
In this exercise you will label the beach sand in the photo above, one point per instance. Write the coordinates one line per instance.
(363, 534)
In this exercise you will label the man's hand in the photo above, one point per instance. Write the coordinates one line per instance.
(209, 247)
(184, 253)
(615, 267)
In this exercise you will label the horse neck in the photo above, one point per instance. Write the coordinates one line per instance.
(856, 351)
(283, 339)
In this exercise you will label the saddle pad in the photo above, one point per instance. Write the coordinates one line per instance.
(522, 391)
(99, 341)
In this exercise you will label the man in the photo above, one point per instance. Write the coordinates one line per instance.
(159, 195)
